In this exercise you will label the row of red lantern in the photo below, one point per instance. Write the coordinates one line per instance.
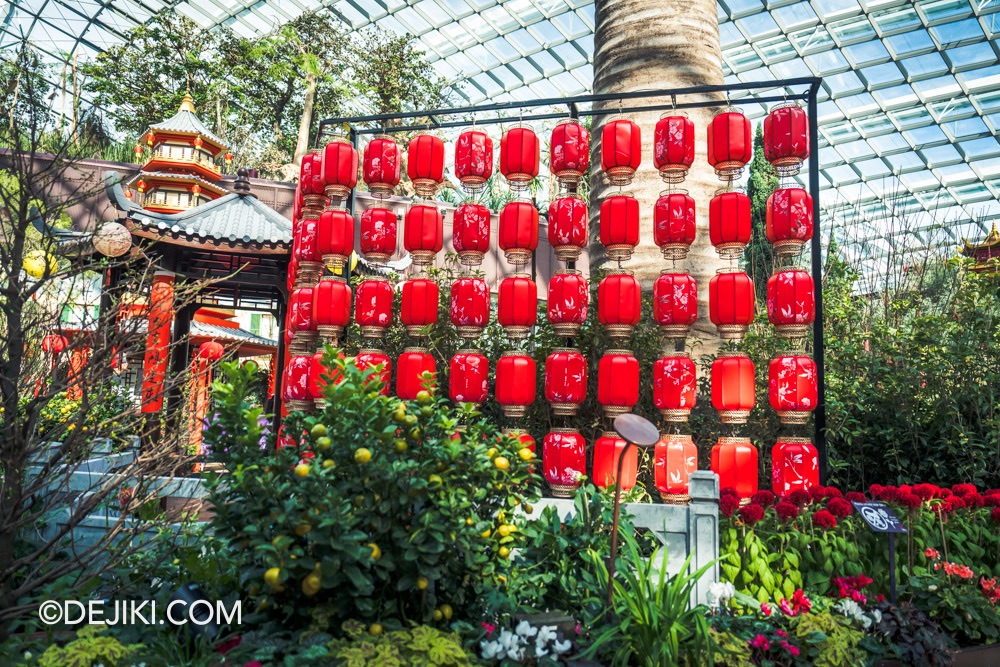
(794, 466)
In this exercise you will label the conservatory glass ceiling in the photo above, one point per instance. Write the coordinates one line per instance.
(910, 106)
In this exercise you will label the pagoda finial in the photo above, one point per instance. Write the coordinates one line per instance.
(187, 104)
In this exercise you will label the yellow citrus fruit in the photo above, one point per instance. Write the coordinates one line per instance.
(504, 552)
(411, 420)
(506, 529)
(303, 529)
(526, 454)
(311, 585)
(415, 433)
(501, 462)
(375, 629)
(437, 615)
(302, 470)
(423, 397)
(376, 552)
(273, 577)
(422, 583)
(362, 455)
(323, 443)
(399, 445)
(491, 452)
(447, 611)
(529, 508)
(329, 463)
(318, 431)
(469, 521)
(486, 533)
(399, 414)
(435, 479)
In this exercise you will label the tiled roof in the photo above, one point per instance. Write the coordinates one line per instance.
(225, 333)
(168, 176)
(186, 121)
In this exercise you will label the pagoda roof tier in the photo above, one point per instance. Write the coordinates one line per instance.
(185, 122)
(991, 241)
(191, 179)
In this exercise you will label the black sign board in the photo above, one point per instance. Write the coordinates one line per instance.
(879, 517)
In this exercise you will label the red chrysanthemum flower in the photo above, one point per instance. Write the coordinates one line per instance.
(856, 497)
(824, 519)
(839, 507)
(763, 498)
(728, 505)
(817, 492)
(751, 514)
(973, 500)
(800, 497)
(876, 491)
(787, 511)
(995, 514)
(954, 503)
(946, 493)
(729, 491)
(909, 501)
(926, 491)
(992, 500)
(964, 489)
(833, 492)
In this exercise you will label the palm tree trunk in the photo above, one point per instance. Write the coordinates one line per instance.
(305, 123)
(658, 44)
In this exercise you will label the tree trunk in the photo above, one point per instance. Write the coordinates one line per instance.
(659, 44)
(305, 123)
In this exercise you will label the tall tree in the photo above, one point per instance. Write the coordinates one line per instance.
(759, 257)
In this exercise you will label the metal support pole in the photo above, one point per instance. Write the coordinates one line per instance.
(892, 568)
(614, 530)
(819, 414)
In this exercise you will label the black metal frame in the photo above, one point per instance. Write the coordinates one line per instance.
(380, 124)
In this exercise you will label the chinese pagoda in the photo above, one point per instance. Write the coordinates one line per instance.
(986, 253)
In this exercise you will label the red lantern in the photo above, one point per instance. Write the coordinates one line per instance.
(791, 302)
(300, 323)
(675, 303)
(141, 185)
(674, 225)
(228, 158)
(319, 376)
(381, 166)
(467, 375)
(378, 234)
(564, 459)
(380, 362)
(519, 157)
(566, 307)
(211, 351)
(789, 220)
(619, 222)
(792, 388)
(568, 227)
(523, 438)
(293, 274)
(138, 151)
(515, 389)
(470, 306)
(675, 386)
(373, 307)
(305, 252)
(619, 303)
(674, 459)
(517, 305)
(470, 233)
(617, 382)
(608, 449)
(569, 151)
(735, 461)
(731, 303)
(419, 305)
(621, 150)
(425, 164)
(794, 466)
(335, 237)
(565, 380)
(332, 307)
(410, 369)
(786, 138)
(54, 343)
(518, 234)
(340, 169)
(196, 189)
(423, 234)
(734, 392)
(673, 147)
(312, 185)
(473, 160)
(295, 383)
(730, 145)
(729, 224)
(150, 137)
(198, 142)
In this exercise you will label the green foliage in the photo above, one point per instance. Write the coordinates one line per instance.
(420, 646)
(386, 511)
(392, 75)
(913, 637)
(90, 647)
(957, 605)
(827, 639)
(732, 651)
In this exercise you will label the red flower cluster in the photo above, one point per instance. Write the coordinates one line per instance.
(991, 498)
(799, 604)
(751, 514)
(995, 514)
(990, 589)
(787, 511)
(764, 498)
(851, 587)
(839, 507)
(800, 497)
(728, 504)
(928, 491)
(963, 490)
(824, 519)
(956, 570)
(823, 492)
(948, 505)
(856, 497)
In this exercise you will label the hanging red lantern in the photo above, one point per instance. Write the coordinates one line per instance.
(312, 185)
(619, 222)
(470, 233)
(373, 306)
(519, 157)
(567, 223)
(473, 160)
(211, 351)
(425, 164)
(332, 307)
(792, 388)
(198, 142)
(674, 223)
(381, 166)
(731, 303)
(305, 244)
(729, 223)
(320, 376)
(300, 322)
(410, 369)
(675, 303)
(619, 303)
(518, 233)
(228, 158)
(379, 361)
(150, 138)
(735, 461)
(565, 380)
(140, 185)
(621, 150)
(295, 383)
(789, 221)
(340, 169)
(794, 466)
(470, 306)
(138, 151)
(730, 145)
(675, 457)
(419, 305)
(423, 234)
(564, 460)
(517, 305)
(791, 302)
(54, 343)
(673, 146)
(196, 190)
(608, 450)
(515, 389)
(617, 382)
(675, 386)
(786, 138)
(734, 392)
(293, 274)
(335, 237)
(566, 306)
(467, 374)
(378, 234)
(524, 439)
(569, 151)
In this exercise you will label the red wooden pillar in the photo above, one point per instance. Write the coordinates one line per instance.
(77, 362)
(273, 375)
(154, 367)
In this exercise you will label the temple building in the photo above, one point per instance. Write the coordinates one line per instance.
(986, 253)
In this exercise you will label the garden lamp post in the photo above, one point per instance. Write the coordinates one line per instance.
(641, 432)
